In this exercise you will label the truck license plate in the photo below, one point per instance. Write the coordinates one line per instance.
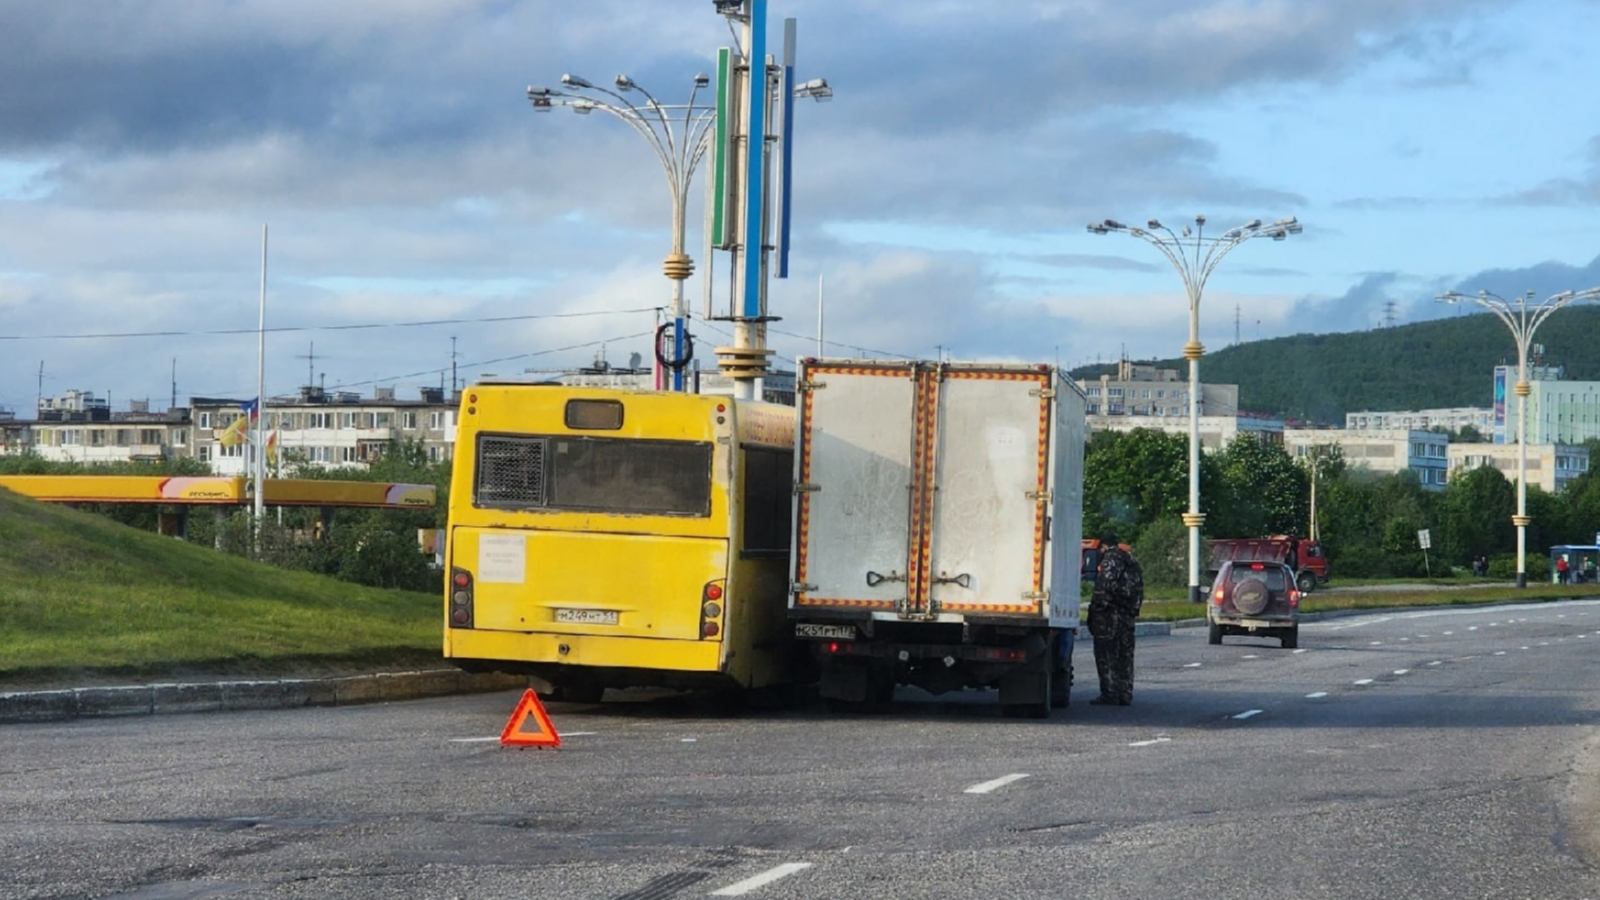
(830, 632)
(587, 616)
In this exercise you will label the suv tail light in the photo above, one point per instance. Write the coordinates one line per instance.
(1294, 599)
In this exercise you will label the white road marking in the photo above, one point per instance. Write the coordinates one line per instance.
(1317, 695)
(1191, 665)
(1499, 653)
(1421, 635)
(478, 740)
(1358, 624)
(1248, 713)
(1405, 639)
(1544, 643)
(1300, 650)
(1158, 739)
(988, 786)
(687, 740)
(1401, 671)
(1373, 643)
(1249, 656)
(1522, 648)
(1437, 662)
(1364, 681)
(762, 880)
(1472, 628)
(1449, 632)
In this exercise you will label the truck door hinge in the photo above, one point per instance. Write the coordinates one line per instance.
(1035, 595)
(800, 587)
(806, 487)
(1040, 496)
(811, 385)
(1045, 393)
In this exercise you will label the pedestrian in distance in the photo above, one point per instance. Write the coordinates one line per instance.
(1118, 594)
(1561, 570)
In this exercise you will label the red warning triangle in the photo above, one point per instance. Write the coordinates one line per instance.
(529, 725)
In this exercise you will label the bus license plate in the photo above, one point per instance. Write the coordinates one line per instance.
(829, 632)
(587, 616)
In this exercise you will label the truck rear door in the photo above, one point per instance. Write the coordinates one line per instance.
(854, 478)
(986, 543)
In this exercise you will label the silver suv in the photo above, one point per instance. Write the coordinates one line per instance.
(1254, 598)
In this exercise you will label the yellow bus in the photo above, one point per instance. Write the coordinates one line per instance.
(604, 538)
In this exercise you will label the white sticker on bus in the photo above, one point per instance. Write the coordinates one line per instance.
(502, 558)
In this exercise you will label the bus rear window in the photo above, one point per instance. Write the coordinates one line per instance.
(614, 475)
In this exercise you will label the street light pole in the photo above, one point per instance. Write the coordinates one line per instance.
(679, 135)
(1195, 256)
(1523, 318)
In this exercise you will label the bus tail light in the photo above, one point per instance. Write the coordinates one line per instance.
(711, 609)
(460, 598)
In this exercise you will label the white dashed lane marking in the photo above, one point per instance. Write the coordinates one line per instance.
(1158, 739)
(1401, 671)
(1191, 665)
(1248, 713)
(762, 880)
(1363, 681)
(988, 786)
(1316, 695)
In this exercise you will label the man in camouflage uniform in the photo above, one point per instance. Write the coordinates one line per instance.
(1118, 594)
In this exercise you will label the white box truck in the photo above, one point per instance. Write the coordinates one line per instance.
(938, 524)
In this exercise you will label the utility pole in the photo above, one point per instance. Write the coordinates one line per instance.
(311, 363)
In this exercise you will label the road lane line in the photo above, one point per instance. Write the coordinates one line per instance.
(762, 880)
(1401, 671)
(1363, 681)
(1158, 739)
(1191, 665)
(477, 740)
(1358, 624)
(1300, 650)
(988, 786)
(1248, 713)
(1437, 662)
(1316, 695)
(1499, 653)
(1249, 656)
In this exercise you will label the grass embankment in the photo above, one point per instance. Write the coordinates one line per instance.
(83, 597)
(1442, 592)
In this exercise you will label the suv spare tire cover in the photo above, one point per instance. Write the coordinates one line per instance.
(1251, 596)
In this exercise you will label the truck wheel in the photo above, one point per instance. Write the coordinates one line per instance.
(1214, 633)
(1306, 582)
(1290, 637)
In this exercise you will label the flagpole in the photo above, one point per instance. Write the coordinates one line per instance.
(259, 468)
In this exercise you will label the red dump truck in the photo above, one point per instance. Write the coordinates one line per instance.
(1304, 556)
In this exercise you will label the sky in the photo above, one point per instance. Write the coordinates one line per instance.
(423, 224)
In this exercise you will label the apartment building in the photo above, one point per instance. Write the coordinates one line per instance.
(1550, 466)
(328, 429)
(1480, 418)
(1426, 453)
(1145, 390)
(80, 427)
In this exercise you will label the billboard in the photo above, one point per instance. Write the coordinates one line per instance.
(1500, 404)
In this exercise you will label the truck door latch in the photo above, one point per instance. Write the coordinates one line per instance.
(963, 580)
(874, 579)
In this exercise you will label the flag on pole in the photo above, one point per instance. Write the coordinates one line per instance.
(238, 431)
(272, 446)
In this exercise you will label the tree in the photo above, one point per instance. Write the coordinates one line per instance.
(1264, 491)
(1132, 479)
(1474, 515)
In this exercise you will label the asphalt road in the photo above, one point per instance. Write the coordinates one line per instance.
(1432, 753)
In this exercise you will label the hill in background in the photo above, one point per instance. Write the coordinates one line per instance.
(1440, 363)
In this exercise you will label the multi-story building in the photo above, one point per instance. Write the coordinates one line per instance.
(1480, 418)
(1142, 390)
(82, 428)
(329, 429)
(1215, 431)
(1550, 466)
(1425, 453)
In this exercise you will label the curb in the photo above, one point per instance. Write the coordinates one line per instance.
(233, 696)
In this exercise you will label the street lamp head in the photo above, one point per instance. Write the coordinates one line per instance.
(540, 98)
(1114, 225)
(817, 89)
(1153, 224)
(1097, 228)
(583, 107)
(1200, 220)
(1254, 224)
(701, 80)
(575, 81)
(624, 83)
